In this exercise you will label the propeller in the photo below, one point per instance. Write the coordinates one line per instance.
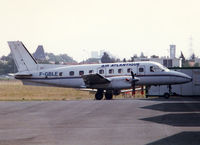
(133, 83)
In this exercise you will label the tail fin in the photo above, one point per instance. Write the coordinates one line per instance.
(23, 59)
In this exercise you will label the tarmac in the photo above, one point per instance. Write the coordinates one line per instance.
(153, 121)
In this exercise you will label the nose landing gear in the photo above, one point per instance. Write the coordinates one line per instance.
(167, 95)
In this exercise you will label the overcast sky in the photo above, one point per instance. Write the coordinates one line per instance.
(122, 27)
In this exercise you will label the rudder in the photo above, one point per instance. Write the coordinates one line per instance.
(23, 59)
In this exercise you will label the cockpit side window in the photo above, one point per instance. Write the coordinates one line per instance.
(151, 69)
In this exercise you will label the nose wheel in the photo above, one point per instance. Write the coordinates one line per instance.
(167, 95)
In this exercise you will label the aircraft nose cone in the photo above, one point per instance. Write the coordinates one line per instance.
(187, 77)
(183, 78)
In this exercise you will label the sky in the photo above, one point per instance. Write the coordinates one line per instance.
(122, 27)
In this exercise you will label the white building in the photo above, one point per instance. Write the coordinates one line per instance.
(171, 61)
(167, 62)
(172, 51)
(94, 54)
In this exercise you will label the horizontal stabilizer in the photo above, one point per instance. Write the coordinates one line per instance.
(23, 76)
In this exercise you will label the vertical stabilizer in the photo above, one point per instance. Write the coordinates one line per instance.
(23, 59)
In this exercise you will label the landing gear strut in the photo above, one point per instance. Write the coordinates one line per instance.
(99, 94)
(147, 91)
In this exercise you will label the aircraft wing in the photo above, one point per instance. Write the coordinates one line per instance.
(130, 90)
(94, 79)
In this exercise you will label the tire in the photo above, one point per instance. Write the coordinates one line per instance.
(108, 96)
(166, 95)
(99, 95)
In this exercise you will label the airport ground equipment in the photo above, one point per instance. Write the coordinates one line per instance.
(188, 89)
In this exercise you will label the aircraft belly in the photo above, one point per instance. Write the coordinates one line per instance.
(69, 83)
(159, 80)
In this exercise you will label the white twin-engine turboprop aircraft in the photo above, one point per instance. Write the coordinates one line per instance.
(108, 79)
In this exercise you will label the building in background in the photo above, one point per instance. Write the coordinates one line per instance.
(167, 62)
(94, 54)
(171, 61)
(172, 51)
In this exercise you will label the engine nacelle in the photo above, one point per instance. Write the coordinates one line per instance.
(122, 82)
(120, 78)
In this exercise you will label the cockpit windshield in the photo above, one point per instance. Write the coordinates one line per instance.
(163, 68)
(158, 68)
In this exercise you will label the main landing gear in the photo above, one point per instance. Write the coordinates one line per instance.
(99, 95)
(108, 95)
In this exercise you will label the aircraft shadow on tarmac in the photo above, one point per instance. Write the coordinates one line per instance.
(187, 114)
(175, 107)
(179, 119)
(182, 138)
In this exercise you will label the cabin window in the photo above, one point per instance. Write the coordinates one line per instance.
(71, 73)
(151, 69)
(128, 70)
(141, 69)
(60, 73)
(101, 71)
(81, 72)
(120, 71)
(91, 71)
(111, 71)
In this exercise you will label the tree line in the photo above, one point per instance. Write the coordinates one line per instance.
(7, 64)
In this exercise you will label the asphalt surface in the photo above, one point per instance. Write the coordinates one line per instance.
(175, 121)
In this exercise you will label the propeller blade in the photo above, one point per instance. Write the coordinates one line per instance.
(133, 89)
(132, 74)
(133, 83)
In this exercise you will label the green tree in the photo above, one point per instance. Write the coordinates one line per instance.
(106, 58)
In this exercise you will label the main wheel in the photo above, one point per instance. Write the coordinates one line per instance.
(108, 96)
(166, 95)
(99, 95)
